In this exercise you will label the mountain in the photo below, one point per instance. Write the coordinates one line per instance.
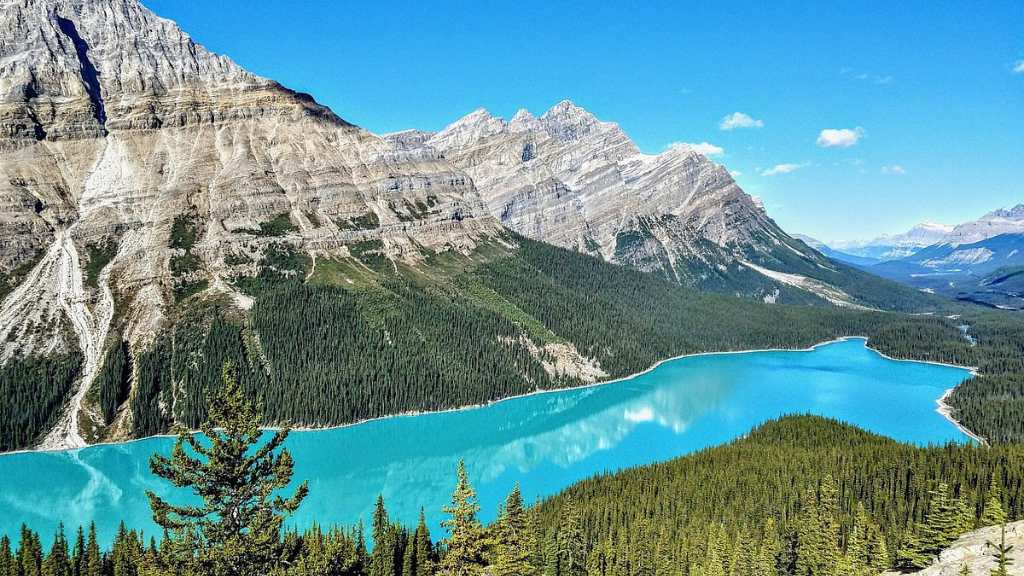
(137, 167)
(891, 247)
(897, 246)
(572, 180)
(979, 271)
(166, 212)
(836, 254)
(995, 223)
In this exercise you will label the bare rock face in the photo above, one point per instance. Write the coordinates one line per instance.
(572, 180)
(976, 551)
(114, 124)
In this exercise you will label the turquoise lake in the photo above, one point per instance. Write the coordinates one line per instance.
(544, 441)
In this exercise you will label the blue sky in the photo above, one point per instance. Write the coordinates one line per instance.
(931, 108)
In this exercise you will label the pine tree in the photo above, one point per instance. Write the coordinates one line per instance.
(382, 560)
(810, 540)
(941, 523)
(7, 562)
(93, 564)
(911, 555)
(514, 542)
(1003, 560)
(237, 529)
(571, 547)
(464, 545)
(58, 561)
(993, 513)
(424, 548)
(964, 570)
(78, 554)
(765, 563)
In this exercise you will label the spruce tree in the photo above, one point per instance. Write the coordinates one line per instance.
(237, 529)
(382, 560)
(424, 548)
(964, 570)
(878, 551)
(30, 554)
(464, 545)
(993, 513)
(571, 547)
(911, 554)
(810, 540)
(941, 526)
(78, 554)
(1002, 553)
(58, 561)
(514, 541)
(765, 563)
(93, 564)
(7, 562)
(965, 515)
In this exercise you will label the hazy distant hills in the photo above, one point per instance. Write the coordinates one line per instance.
(975, 261)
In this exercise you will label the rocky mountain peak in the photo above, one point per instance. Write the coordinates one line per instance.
(523, 121)
(567, 121)
(119, 134)
(573, 180)
(1015, 213)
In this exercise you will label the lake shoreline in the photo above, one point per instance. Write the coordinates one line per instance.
(947, 414)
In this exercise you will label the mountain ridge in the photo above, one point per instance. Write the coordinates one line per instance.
(570, 179)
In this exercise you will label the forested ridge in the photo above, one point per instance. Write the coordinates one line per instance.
(359, 339)
(355, 338)
(352, 338)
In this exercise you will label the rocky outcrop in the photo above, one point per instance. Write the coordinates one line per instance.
(976, 551)
(572, 180)
(114, 125)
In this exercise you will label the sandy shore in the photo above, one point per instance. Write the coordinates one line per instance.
(947, 412)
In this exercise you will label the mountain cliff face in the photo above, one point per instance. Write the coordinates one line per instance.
(136, 166)
(572, 180)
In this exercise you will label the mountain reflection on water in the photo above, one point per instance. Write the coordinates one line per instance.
(544, 441)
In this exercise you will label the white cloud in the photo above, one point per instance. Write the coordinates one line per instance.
(735, 173)
(880, 79)
(705, 148)
(781, 169)
(1018, 68)
(894, 169)
(839, 137)
(739, 120)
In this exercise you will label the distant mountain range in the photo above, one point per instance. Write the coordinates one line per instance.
(975, 261)
(896, 246)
